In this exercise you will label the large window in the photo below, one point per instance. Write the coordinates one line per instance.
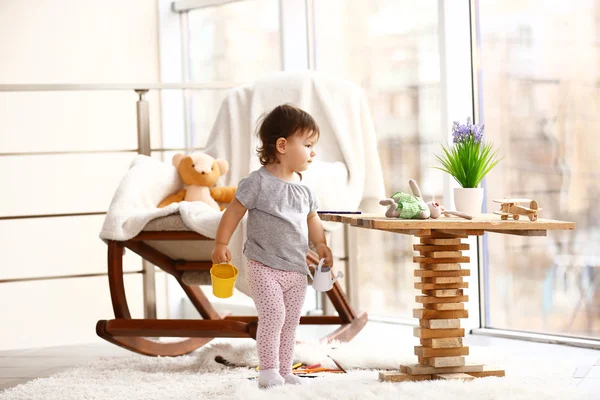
(236, 42)
(390, 49)
(541, 96)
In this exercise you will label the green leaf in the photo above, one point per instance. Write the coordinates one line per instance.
(468, 162)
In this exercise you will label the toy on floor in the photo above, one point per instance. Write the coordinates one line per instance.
(200, 172)
(513, 207)
(406, 206)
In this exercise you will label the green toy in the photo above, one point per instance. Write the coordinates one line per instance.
(407, 206)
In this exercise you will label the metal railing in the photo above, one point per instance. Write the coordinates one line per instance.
(188, 5)
(143, 147)
(212, 85)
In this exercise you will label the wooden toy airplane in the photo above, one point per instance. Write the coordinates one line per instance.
(513, 207)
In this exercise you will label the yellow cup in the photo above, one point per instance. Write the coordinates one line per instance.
(223, 278)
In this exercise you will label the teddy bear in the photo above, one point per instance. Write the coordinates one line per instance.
(199, 173)
(406, 206)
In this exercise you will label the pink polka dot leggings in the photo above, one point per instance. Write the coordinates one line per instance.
(278, 296)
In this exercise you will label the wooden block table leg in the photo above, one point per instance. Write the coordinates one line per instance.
(441, 354)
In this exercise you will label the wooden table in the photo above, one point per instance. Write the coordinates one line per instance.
(441, 354)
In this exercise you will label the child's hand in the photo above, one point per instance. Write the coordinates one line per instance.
(325, 252)
(220, 254)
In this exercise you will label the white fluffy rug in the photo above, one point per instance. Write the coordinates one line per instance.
(198, 376)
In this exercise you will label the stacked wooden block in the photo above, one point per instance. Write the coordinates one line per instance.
(441, 353)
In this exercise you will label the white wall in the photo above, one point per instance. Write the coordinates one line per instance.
(67, 41)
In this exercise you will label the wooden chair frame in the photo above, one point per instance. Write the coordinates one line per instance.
(134, 334)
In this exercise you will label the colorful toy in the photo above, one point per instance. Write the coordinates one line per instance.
(200, 172)
(223, 278)
(513, 207)
(405, 206)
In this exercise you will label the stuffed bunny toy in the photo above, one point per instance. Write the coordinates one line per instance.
(436, 210)
(405, 206)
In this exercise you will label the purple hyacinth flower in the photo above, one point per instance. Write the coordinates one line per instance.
(478, 133)
(467, 132)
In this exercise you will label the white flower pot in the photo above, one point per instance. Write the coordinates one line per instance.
(468, 200)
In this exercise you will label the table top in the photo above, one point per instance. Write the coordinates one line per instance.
(476, 226)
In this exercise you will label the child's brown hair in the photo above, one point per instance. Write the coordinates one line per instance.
(282, 122)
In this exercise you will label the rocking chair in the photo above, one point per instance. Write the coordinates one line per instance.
(177, 251)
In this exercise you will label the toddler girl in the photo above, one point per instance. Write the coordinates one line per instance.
(282, 219)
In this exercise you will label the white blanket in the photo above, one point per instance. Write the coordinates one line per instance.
(347, 133)
(134, 204)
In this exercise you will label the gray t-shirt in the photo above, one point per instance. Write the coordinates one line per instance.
(277, 220)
